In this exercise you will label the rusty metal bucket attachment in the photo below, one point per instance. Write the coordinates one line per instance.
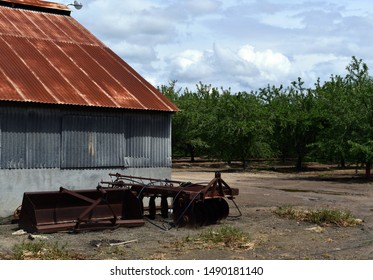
(78, 210)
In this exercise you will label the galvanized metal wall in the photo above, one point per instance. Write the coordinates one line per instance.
(29, 138)
(92, 141)
(38, 137)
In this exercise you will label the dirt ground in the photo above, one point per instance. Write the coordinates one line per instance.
(271, 237)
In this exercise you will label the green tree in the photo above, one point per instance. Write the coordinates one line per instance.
(333, 121)
(296, 122)
(240, 130)
(360, 86)
(334, 105)
(278, 111)
(189, 124)
(346, 106)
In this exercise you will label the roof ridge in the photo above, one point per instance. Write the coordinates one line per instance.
(37, 4)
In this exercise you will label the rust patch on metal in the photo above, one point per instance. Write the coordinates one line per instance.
(79, 210)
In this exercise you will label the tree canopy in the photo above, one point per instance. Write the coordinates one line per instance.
(333, 121)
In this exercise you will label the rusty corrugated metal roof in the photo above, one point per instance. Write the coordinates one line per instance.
(51, 58)
(36, 4)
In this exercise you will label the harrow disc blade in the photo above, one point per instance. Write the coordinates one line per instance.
(200, 213)
(182, 212)
(216, 209)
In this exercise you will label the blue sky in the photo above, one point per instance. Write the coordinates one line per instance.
(241, 44)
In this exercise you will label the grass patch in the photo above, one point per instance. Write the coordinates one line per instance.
(222, 237)
(41, 250)
(323, 216)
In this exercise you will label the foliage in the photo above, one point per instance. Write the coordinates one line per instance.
(189, 125)
(331, 122)
(346, 104)
(240, 128)
(332, 141)
(294, 118)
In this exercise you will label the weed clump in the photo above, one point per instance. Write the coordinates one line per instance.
(41, 250)
(224, 236)
(322, 217)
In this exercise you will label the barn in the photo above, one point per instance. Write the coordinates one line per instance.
(71, 110)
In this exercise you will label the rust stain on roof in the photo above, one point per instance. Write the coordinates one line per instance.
(51, 58)
(38, 3)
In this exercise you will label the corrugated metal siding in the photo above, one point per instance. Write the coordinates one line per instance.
(148, 140)
(29, 139)
(45, 138)
(92, 141)
(13, 144)
(50, 58)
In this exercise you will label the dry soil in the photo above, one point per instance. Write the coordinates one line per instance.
(271, 237)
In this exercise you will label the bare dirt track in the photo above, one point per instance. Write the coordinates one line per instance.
(271, 237)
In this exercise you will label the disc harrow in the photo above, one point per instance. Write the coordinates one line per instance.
(190, 204)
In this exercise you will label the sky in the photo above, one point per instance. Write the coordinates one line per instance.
(243, 45)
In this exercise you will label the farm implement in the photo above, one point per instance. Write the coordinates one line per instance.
(127, 201)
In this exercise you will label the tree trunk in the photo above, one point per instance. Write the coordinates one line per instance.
(368, 166)
(192, 153)
(283, 158)
(299, 163)
(192, 156)
(342, 162)
(245, 164)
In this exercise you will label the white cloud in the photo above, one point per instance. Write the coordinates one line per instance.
(139, 22)
(134, 52)
(309, 66)
(190, 65)
(223, 66)
(243, 44)
(199, 7)
(273, 66)
(307, 62)
(187, 59)
(285, 20)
